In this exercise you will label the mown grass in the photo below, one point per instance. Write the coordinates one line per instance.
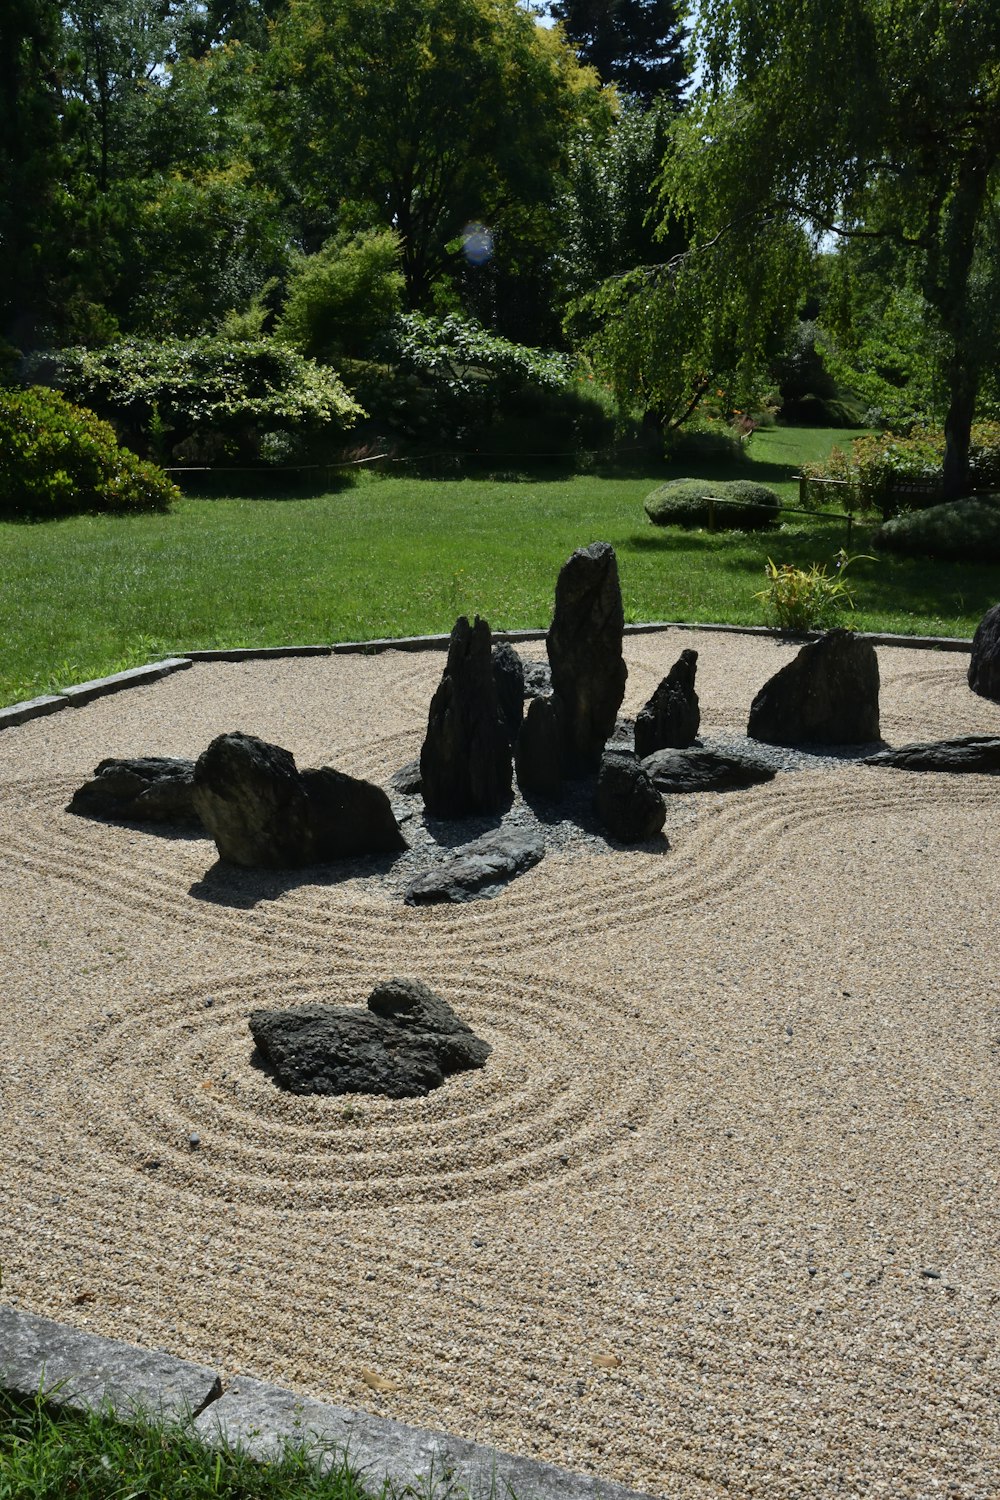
(48, 1454)
(404, 555)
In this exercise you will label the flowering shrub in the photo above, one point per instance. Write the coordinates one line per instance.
(878, 469)
(56, 459)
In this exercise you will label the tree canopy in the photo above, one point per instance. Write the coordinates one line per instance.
(860, 120)
(636, 44)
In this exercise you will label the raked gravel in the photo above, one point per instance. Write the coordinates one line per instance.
(718, 1218)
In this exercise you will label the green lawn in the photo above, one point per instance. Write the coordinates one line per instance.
(404, 555)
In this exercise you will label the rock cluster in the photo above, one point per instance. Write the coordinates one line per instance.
(405, 1043)
(262, 811)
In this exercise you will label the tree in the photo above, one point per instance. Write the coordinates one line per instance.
(423, 116)
(873, 120)
(636, 44)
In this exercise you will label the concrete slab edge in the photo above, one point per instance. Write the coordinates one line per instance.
(84, 692)
(84, 1371)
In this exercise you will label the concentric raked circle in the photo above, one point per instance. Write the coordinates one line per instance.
(178, 1065)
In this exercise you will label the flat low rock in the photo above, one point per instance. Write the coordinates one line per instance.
(143, 789)
(700, 769)
(403, 1045)
(491, 861)
(971, 753)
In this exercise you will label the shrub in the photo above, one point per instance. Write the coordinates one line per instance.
(341, 299)
(801, 599)
(211, 400)
(961, 529)
(57, 459)
(744, 506)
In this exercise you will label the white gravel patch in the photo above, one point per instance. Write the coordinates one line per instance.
(719, 1216)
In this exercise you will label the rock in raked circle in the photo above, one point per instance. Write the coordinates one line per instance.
(405, 1043)
(828, 695)
(627, 802)
(672, 717)
(465, 761)
(984, 663)
(584, 645)
(263, 812)
(145, 789)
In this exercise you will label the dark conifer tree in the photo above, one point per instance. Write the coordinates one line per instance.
(636, 44)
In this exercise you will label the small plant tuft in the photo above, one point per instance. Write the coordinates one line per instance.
(801, 599)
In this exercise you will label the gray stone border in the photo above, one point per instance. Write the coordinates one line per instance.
(86, 692)
(85, 1372)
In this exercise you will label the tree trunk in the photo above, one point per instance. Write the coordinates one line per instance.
(957, 428)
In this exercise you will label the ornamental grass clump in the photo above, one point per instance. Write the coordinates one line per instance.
(802, 599)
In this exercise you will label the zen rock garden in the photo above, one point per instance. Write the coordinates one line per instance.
(495, 723)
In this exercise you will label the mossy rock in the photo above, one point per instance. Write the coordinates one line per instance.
(745, 506)
(959, 529)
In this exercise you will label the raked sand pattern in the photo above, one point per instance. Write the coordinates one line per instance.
(718, 1218)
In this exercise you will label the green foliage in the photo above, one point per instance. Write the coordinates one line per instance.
(807, 598)
(58, 459)
(743, 505)
(886, 472)
(340, 300)
(212, 400)
(636, 44)
(960, 529)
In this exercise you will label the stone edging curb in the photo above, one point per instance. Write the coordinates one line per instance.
(85, 692)
(83, 1371)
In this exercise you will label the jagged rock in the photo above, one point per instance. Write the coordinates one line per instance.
(978, 754)
(262, 811)
(984, 663)
(671, 718)
(538, 756)
(491, 861)
(585, 651)
(406, 780)
(537, 679)
(144, 789)
(705, 770)
(627, 802)
(405, 1043)
(508, 674)
(827, 696)
(465, 762)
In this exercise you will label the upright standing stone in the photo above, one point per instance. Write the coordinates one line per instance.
(465, 762)
(585, 651)
(539, 752)
(827, 696)
(984, 664)
(508, 674)
(672, 717)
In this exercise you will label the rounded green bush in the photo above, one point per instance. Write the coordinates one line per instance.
(959, 530)
(57, 459)
(745, 506)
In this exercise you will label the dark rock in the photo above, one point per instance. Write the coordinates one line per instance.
(585, 651)
(490, 861)
(827, 696)
(672, 717)
(537, 679)
(627, 802)
(538, 755)
(984, 663)
(975, 753)
(508, 674)
(404, 1044)
(406, 780)
(465, 762)
(145, 789)
(262, 811)
(704, 770)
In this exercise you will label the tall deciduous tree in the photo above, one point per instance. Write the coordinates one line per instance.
(427, 115)
(636, 44)
(874, 120)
